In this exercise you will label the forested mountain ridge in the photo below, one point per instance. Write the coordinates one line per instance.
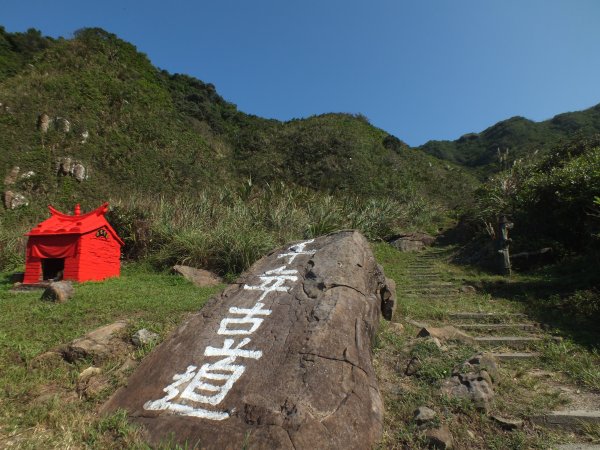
(519, 135)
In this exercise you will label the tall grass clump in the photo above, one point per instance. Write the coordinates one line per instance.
(227, 230)
(12, 240)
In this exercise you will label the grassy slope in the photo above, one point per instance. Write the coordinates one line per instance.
(519, 393)
(151, 131)
(40, 409)
(36, 409)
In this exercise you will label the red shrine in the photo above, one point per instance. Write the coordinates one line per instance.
(79, 248)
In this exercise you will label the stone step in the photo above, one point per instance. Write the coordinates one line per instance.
(508, 341)
(578, 447)
(515, 356)
(430, 291)
(486, 316)
(571, 420)
(498, 326)
(426, 285)
(429, 294)
(430, 276)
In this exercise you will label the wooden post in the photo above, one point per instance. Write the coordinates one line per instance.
(503, 243)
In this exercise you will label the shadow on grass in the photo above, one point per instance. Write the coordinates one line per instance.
(564, 296)
(8, 279)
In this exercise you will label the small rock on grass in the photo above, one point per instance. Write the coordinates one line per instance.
(397, 327)
(144, 337)
(98, 344)
(413, 366)
(88, 373)
(507, 424)
(440, 438)
(424, 414)
(485, 361)
(473, 381)
(59, 292)
(467, 289)
(91, 382)
(447, 333)
(199, 277)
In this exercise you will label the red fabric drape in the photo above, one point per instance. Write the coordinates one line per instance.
(52, 246)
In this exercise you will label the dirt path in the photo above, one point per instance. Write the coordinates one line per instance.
(549, 409)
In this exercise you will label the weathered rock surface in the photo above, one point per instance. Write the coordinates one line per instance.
(411, 242)
(62, 124)
(12, 176)
(397, 327)
(282, 359)
(91, 382)
(413, 366)
(423, 414)
(473, 381)
(468, 289)
(98, 344)
(388, 298)
(440, 438)
(144, 337)
(43, 122)
(59, 292)
(67, 166)
(447, 333)
(14, 200)
(199, 277)
(506, 423)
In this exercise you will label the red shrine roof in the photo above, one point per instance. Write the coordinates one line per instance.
(60, 223)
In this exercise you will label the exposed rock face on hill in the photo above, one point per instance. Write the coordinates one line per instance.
(282, 359)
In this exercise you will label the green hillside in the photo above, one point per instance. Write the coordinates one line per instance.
(519, 135)
(150, 131)
(89, 119)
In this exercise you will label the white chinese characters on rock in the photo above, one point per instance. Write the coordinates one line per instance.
(209, 384)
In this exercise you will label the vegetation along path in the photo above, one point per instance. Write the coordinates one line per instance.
(544, 392)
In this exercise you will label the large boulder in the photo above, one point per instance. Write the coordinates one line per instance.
(281, 359)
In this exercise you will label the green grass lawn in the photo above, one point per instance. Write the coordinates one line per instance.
(36, 410)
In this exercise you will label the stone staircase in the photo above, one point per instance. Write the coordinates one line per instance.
(508, 336)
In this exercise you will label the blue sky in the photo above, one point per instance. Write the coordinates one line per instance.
(421, 69)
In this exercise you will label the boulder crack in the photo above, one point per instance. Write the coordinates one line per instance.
(331, 358)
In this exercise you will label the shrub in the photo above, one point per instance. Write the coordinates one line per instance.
(551, 201)
(227, 230)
